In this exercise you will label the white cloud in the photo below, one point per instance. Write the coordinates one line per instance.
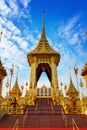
(25, 3)
(74, 39)
(14, 47)
(4, 9)
(72, 34)
(68, 30)
(13, 4)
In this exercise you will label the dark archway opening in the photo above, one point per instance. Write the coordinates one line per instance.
(43, 67)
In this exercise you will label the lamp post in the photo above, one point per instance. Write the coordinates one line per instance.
(7, 85)
(76, 73)
(11, 74)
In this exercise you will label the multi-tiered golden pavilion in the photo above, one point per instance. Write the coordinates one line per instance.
(43, 58)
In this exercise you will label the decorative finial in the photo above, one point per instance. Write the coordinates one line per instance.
(0, 60)
(70, 76)
(0, 36)
(43, 11)
(43, 35)
(86, 33)
(69, 71)
(17, 74)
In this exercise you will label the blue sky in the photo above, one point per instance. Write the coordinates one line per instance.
(65, 25)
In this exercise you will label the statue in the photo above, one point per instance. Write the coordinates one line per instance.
(73, 103)
(14, 103)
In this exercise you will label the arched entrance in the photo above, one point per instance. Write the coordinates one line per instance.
(43, 67)
(43, 90)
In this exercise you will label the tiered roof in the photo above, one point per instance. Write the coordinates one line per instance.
(43, 46)
(84, 70)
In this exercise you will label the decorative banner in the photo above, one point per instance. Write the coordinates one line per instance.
(81, 84)
(61, 83)
(65, 87)
(7, 83)
(26, 83)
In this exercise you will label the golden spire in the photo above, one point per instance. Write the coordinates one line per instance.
(70, 78)
(43, 35)
(17, 76)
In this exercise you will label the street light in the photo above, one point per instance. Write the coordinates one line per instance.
(11, 73)
(76, 73)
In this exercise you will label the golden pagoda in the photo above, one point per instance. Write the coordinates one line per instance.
(43, 59)
(72, 102)
(72, 91)
(15, 92)
(3, 73)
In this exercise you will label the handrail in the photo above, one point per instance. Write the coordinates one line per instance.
(15, 125)
(74, 124)
(64, 116)
(36, 106)
(2, 109)
(52, 108)
(1, 106)
(25, 116)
